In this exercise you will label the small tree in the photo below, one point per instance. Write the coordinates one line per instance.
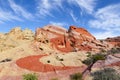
(106, 74)
(30, 77)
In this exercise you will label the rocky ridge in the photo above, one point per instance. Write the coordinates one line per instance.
(115, 41)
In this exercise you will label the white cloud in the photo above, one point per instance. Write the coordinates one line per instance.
(46, 6)
(108, 19)
(7, 16)
(19, 10)
(104, 35)
(86, 5)
(73, 17)
(58, 23)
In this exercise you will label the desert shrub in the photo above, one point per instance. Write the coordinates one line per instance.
(114, 51)
(76, 76)
(59, 59)
(41, 49)
(30, 77)
(48, 61)
(47, 41)
(93, 58)
(106, 74)
(6, 60)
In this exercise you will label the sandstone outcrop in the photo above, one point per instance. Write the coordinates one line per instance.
(14, 38)
(75, 39)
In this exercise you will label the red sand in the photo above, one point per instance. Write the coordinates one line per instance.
(32, 63)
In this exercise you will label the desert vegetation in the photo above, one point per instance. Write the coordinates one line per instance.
(30, 76)
(76, 76)
(106, 74)
(93, 58)
(114, 50)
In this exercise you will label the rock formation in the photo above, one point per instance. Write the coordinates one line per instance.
(52, 52)
(75, 39)
(14, 38)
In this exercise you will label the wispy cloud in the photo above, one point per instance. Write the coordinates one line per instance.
(85, 5)
(58, 23)
(108, 19)
(73, 17)
(19, 10)
(7, 16)
(46, 6)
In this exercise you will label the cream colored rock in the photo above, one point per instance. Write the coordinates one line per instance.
(15, 33)
(71, 59)
(28, 34)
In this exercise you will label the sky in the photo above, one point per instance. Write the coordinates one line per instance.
(100, 17)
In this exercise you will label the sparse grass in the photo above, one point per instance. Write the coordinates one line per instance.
(30, 77)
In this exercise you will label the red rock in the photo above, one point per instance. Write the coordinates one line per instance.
(75, 39)
(62, 44)
(114, 41)
(32, 63)
(83, 33)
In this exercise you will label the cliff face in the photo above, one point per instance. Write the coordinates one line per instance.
(73, 39)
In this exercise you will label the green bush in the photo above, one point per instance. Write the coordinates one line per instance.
(76, 76)
(93, 58)
(30, 77)
(106, 74)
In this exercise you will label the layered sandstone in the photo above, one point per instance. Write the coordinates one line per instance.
(75, 39)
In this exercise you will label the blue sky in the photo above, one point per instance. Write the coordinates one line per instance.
(99, 17)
